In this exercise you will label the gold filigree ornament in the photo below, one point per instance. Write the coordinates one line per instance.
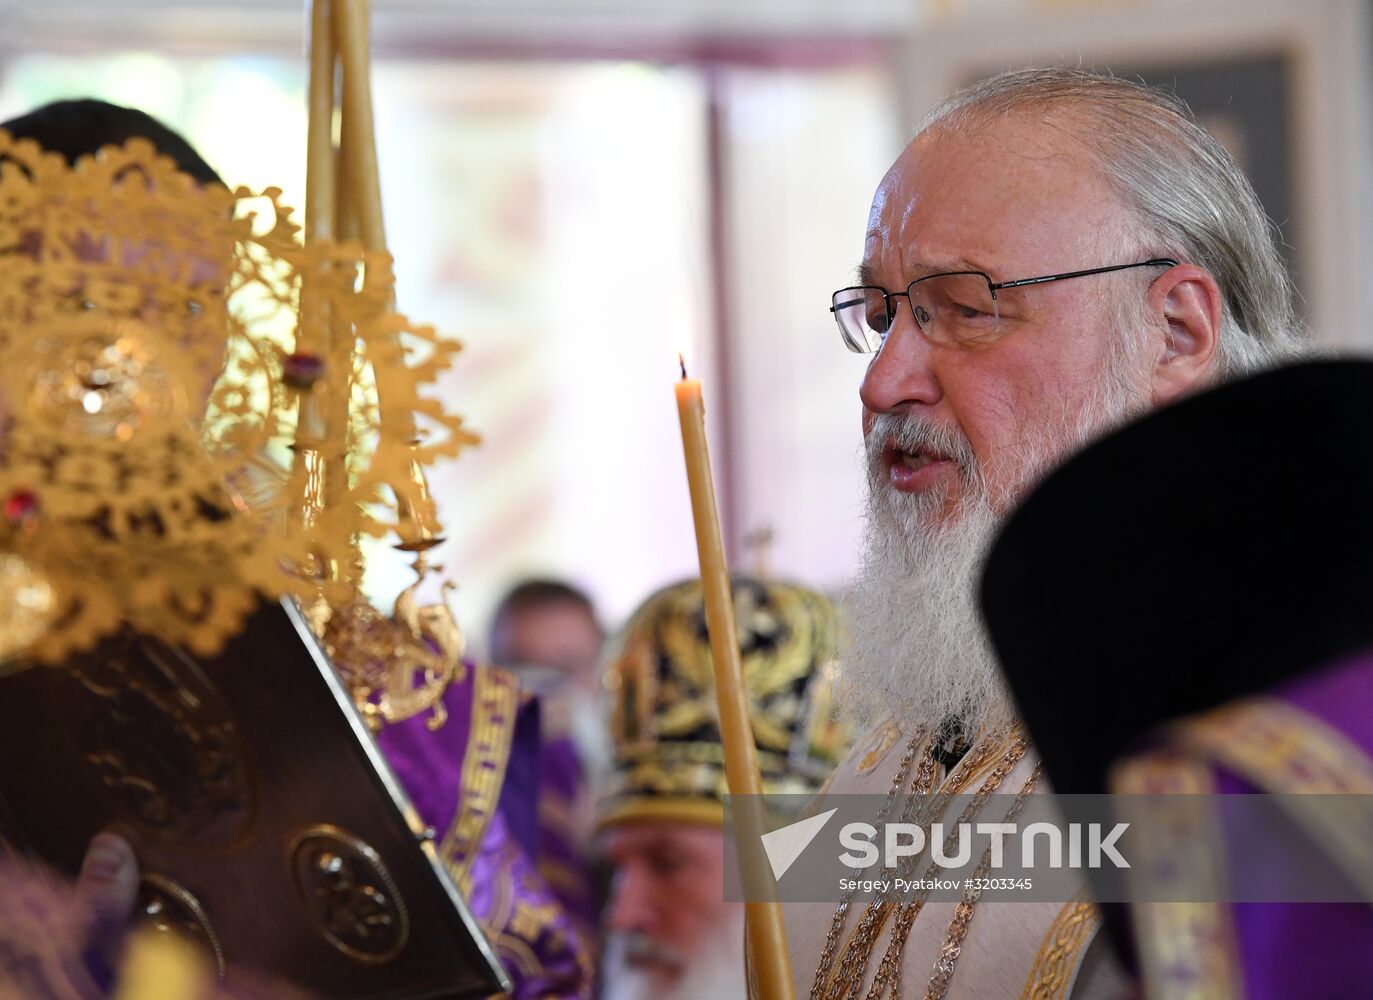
(396, 666)
(154, 363)
(26, 607)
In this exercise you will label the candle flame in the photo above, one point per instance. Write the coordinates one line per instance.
(681, 361)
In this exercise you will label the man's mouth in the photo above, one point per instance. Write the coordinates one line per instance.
(914, 471)
(917, 460)
(645, 953)
(657, 965)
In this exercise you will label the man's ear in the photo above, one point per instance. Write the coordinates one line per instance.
(1186, 304)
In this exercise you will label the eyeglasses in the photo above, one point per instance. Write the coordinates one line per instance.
(956, 309)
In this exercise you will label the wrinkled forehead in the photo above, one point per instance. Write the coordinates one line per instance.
(1015, 197)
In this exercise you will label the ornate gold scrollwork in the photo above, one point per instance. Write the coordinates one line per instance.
(399, 666)
(154, 359)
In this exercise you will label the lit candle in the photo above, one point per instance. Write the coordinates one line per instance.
(767, 936)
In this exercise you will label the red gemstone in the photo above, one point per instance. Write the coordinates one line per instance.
(21, 507)
(301, 371)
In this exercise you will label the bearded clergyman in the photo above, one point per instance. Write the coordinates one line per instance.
(1054, 252)
(672, 933)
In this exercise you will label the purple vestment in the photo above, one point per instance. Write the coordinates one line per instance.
(476, 782)
(1312, 949)
(563, 801)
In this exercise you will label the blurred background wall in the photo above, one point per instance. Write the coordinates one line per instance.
(580, 188)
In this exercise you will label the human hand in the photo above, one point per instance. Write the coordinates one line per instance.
(108, 885)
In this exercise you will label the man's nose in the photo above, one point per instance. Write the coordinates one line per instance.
(900, 375)
(631, 901)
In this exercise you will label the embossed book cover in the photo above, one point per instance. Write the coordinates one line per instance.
(267, 825)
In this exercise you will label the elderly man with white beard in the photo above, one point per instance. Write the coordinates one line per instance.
(671, 933)
(1053, 252)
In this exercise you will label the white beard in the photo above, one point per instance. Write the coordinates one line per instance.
(916, 650)
(715, 970)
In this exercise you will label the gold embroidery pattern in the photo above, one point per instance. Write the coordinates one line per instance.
(880, 747)
(1187, 949)
(558, 875)
(663, 704)
(526, 934)
(1061, 952)
(1287, 751)
(1280, 748)
(495, 703)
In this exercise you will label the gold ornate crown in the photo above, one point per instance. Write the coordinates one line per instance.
(669, 760)
(159, 342)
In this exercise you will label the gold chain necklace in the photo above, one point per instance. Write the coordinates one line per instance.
(942, 973)
(853, 965)
(921, 808)
(923, 779)
(889, 970)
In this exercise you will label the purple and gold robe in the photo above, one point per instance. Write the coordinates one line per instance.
(475, 781)
(1309, 736)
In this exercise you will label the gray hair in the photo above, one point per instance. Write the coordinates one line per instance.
(1191, 200)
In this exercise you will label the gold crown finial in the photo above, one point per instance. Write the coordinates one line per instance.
(152, 375)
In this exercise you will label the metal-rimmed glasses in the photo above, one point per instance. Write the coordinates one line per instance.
(957, 308)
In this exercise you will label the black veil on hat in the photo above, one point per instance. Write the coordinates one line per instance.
(1213, 549)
